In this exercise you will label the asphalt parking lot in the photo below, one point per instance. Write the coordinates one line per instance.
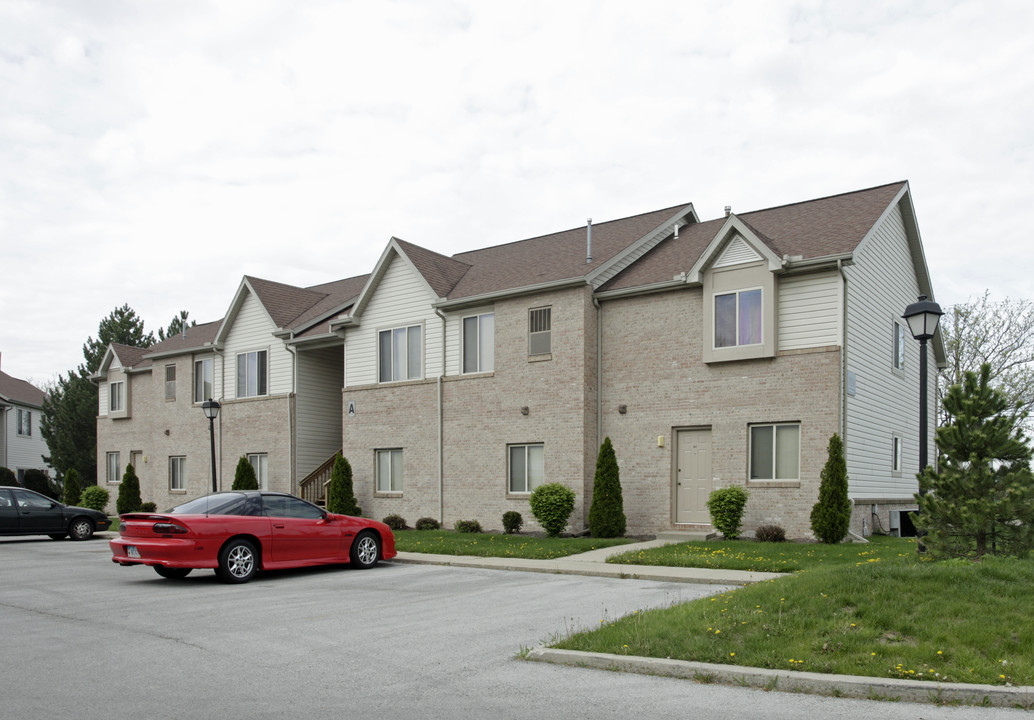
(84, 638)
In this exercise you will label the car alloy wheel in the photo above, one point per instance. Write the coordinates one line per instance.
(237, 561)
(364, 551)
(80, 529)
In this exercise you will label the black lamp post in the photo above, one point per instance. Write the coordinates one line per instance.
(922, 317)
(211, 408)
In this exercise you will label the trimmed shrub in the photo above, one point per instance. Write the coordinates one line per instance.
(148, 507)
(770, 533)
(73, 488)
(467, 526)
(8, 478)
(831, 515)
(128, 492)
(607, 514)
(36, 479)
(95, 498)
(512, 522)
(426, 523)
(726, 506)
(395, 522)
(244, 476)
(340, 495)
(552, 505)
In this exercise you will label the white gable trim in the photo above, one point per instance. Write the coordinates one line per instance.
(377, 275)
(737, 252)
(730, 230)
(235, 307)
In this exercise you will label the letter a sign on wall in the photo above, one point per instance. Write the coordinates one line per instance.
(351, 409)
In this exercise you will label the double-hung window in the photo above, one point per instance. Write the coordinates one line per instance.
(479, 343)
(251, 374)
(117, 396)
(737, 318)
(540, 330)
(527, 467)
(178, 474)
(170, 382)
(203, 380)
(899, 346)
(897, 451)
(775, 452)
(24, 422)
(400, 352)
(114, 468)
(389, 471)
(260, 464)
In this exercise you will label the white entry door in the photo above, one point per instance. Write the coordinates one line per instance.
(692, 476)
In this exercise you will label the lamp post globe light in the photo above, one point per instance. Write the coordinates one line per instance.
(922, 317)
(211, 408)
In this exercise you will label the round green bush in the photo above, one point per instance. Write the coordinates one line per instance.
(95, 498)
(552, 505)
(8, 478)
(395, 522)
(148, 507)
(467, 526)
(512, 522)
(426, 523)
(770, 533)
(726, 506)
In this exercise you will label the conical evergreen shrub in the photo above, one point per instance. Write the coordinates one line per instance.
(128, 492)
(244, 476)
(340, 496)
(607, 514)
(73, 488)
(831, 515)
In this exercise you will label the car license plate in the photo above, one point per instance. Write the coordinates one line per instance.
(132, 552)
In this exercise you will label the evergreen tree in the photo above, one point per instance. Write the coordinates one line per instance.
(128, 492)
(607, 514)
(73, 490)
(122, 326)
(244, 477)
(8, 478)
(340, 496)
(831, 515)
(36, 479)
(981, 499)
(176, 326)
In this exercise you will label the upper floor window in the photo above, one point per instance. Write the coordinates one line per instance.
(117, 396)
(24, 422)
(737, 318)
(540, 331)
(203, 379)
(170, 382)
(899, 346)
(775, 452)
(251, 374)
(400, 353)
(479, 343)
(527, 467)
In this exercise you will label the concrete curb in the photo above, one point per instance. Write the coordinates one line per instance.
(853, 686)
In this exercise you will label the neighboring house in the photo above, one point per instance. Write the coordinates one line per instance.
(22, 446)
(713, 353)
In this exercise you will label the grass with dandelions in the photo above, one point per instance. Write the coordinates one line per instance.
(448, 542)
(888, 614)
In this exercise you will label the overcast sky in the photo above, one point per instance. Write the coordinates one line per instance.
(153, 153)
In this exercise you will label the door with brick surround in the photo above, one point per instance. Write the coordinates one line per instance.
(692, 476)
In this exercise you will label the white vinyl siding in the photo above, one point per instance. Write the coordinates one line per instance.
(24, 450)
(810, 311)
(880, 284)
(401, 299)
(252, 331)
(318, 407)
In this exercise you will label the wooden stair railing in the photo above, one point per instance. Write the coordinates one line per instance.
(313, 486)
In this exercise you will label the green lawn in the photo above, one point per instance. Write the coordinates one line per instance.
(877, 610)
(447, 542)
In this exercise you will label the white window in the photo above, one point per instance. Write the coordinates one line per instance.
(897, 450)
(400, 353)
(178, 474)
(389, 471)
(737, 318)
(24, 422)
(479, 343)
(527, 467)
(775, 452)
(540, 323)
(117, 396)
(114, 468)
(260, 464)
(170, 382)
(899, 346)
(202, 380)
(251, 374)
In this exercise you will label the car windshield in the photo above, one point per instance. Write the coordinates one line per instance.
(221, 504)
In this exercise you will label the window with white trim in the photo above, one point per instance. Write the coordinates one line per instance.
(540, 330)
(899, 346)
(479, 343)
(775, 452)
(203, 380)
(400, 353)
(251, 373)
(170, 382)
(260, 464)
(114, 468)
(389, 470)
(526, 467)
(178, 473)
(117, 396)
(25, 422)
(737, 318)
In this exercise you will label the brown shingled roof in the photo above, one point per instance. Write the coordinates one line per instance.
(441, 272)
(283, 302)
(14, 390)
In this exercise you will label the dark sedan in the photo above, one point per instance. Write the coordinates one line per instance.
(24, 512)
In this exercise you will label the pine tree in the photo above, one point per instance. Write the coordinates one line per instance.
(244, 476)
(831, 515)
(128, 492)
(981, 499)
(340, 497)
(73, 490)
(607, 514)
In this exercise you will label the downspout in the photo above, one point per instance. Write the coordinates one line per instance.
(4, 409)
(843, 392)
(292, 409)
(441, 433)
(599, 370)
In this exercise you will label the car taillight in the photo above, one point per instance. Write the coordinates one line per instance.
(169, 529)
(122, 526)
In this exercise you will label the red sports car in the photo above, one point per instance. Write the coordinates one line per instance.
(240, 533)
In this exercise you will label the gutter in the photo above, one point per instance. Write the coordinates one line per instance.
(441, 427)
(491, 297)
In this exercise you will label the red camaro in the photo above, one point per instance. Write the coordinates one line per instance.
(240, 533)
